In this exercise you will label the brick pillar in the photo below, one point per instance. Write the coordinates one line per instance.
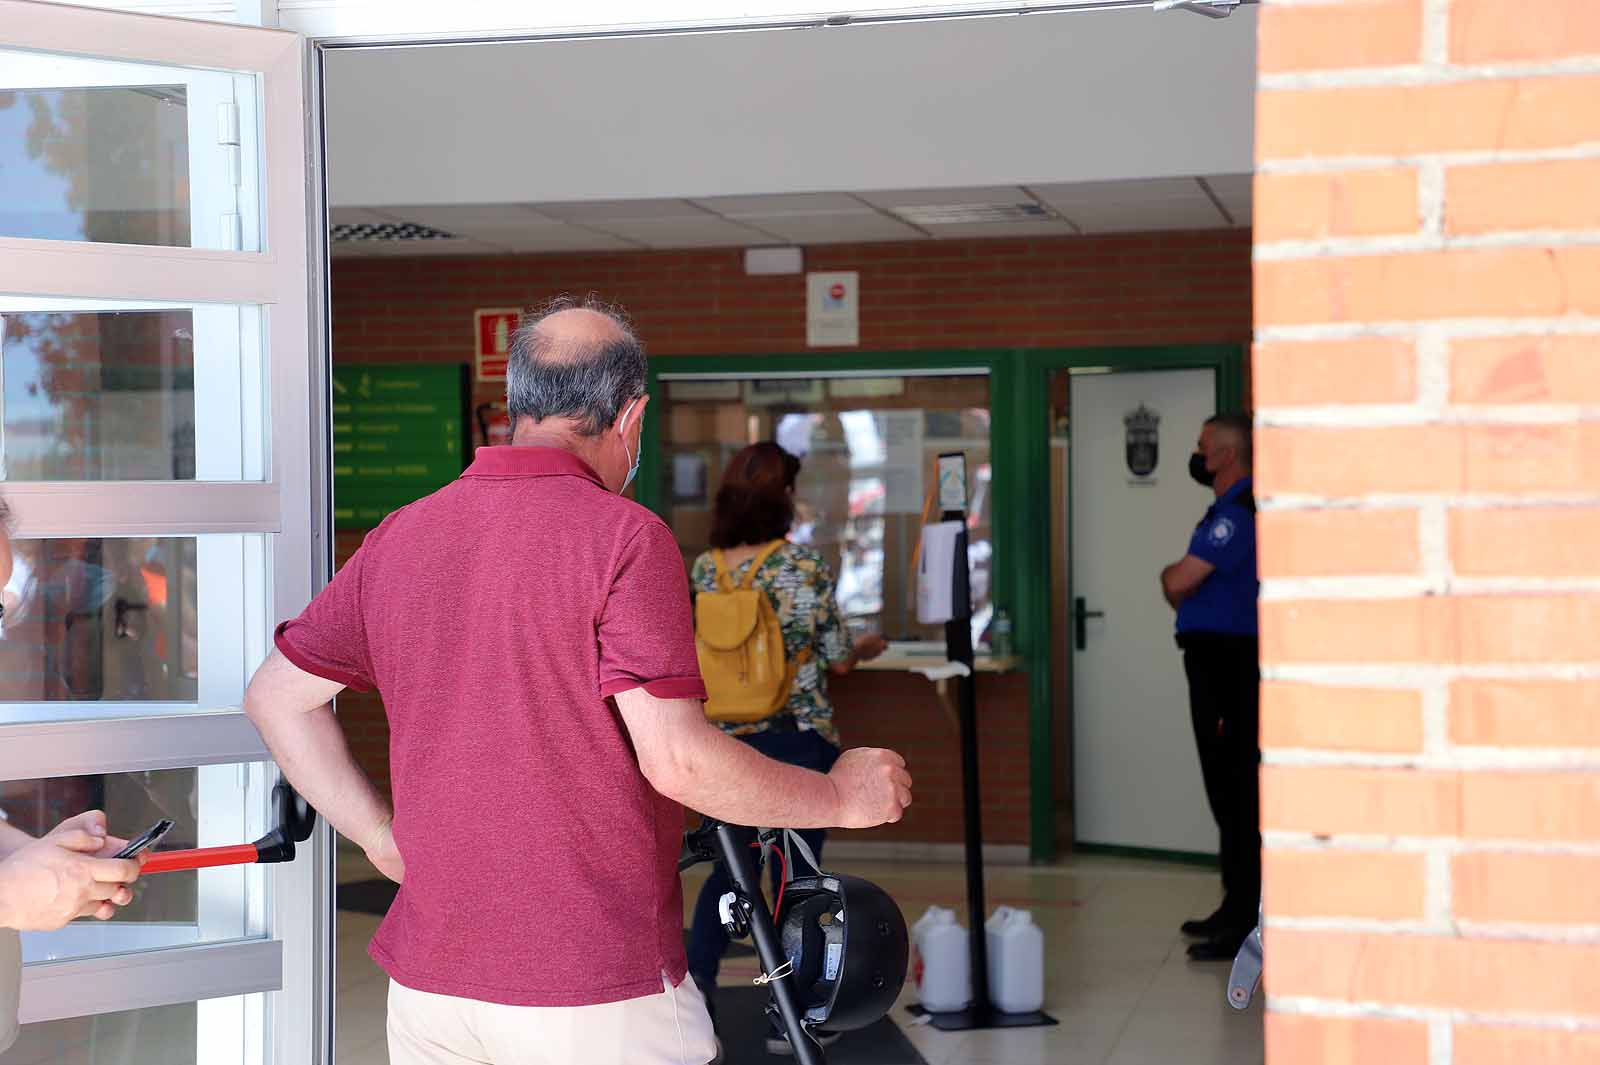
(1427, 388)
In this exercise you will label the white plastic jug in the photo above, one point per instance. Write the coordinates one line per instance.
(1016, 961)
(941, 963)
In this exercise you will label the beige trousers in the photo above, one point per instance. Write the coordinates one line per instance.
(671, 1028)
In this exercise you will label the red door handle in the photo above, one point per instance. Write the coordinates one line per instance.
(203, 858)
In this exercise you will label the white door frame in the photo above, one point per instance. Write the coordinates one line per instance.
(284, 506)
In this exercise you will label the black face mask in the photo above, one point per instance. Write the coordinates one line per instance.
(1197, 470)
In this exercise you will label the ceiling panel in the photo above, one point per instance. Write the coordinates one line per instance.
(705, 231)
(620, 210)
(1048, 227)
(942, 197)
(406, 249)
(1143, 217)
(464, 218)
(839, 227)
(794, 203)
(557, 238)
(1097, 192)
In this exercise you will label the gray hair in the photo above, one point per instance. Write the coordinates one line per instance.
(1238, 426)
(589, 382)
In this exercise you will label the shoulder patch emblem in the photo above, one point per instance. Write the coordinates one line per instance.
(1221, 531)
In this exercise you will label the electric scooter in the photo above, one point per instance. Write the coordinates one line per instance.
(748, 912)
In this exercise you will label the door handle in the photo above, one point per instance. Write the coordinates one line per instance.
(1080, 617)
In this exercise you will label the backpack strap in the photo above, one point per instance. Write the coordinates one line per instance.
(719, 571)
(756, 562)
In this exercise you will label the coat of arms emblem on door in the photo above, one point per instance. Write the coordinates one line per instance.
(1143, 440)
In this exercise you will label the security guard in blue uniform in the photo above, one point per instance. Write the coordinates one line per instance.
(1214, 589)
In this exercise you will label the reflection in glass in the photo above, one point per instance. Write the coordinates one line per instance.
(100, 619)
(101, 164)
(207, 806)
(162, 1035)
(866, 487)
(132, 802)
(98, 396)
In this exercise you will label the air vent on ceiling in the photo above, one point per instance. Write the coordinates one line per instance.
(349, 231)
(967, 213)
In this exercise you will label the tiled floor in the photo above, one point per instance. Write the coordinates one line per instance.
(1116, 975)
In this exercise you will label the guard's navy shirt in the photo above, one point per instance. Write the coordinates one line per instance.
(1225, 602)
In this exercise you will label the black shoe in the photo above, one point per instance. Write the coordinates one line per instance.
(1222, 947)
(1203, 927)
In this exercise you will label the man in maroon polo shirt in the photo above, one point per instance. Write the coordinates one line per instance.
(530, 632)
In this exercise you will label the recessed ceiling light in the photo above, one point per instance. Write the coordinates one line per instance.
(345, 232)
(967, 213)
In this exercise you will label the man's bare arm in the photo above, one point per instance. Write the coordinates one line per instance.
(688, 759)
(292, 710)
(1183, 578)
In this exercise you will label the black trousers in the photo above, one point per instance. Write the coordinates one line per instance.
(1225, 705)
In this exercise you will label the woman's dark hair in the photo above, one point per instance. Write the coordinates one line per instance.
(754, 504)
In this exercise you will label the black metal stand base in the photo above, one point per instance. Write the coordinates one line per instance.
(972, 1019)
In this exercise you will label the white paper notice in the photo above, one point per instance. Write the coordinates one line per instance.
(902, 473)
(833, 309)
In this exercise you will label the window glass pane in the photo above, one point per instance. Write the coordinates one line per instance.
(210, 806)
(127, 153)
(868, 447)
(101, 619)
(191, 1033)
(100, 164)
(104, 627)
(107, 391)
(99, 396)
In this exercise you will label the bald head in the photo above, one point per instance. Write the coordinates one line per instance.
(569, 334)
(579, 362)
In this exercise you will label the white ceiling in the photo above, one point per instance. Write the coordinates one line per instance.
(781, 137)
(1212, 202)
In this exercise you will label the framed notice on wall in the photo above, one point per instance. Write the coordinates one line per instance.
(399, 433)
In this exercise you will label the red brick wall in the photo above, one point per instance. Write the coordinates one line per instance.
(1164, 288)
(1427, 363)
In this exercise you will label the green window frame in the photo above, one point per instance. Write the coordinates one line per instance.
(1019, 446)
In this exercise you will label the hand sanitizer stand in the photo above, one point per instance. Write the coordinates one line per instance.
(944, 594)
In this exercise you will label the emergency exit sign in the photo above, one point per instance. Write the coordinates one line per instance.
(492, 327)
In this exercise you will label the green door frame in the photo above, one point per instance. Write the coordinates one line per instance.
(1019, 450)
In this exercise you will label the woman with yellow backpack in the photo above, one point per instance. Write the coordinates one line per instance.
(768, 632)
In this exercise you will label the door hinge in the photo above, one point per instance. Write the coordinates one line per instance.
(228, 123)
(228, 138)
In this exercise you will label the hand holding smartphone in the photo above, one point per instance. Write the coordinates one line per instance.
(147, 839)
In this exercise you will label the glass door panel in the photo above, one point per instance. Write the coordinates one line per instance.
(127, 153)
(158, 449)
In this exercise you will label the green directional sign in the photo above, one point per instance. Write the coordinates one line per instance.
(399, 432)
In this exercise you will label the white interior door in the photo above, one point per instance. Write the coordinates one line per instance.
(1136, 776)
(158, 449)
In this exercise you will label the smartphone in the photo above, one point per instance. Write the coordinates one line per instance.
(149, 838)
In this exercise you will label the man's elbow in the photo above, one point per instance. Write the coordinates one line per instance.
(669, 775)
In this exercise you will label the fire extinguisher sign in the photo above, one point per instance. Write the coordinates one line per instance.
(492, 329)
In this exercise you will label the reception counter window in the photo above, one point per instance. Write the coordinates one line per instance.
(868, 445)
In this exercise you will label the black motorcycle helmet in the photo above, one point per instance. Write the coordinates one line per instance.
(847, 941)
